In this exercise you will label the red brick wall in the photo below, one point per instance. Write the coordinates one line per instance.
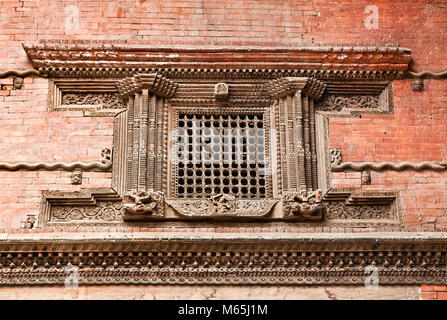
(415, 132)
(430, 292)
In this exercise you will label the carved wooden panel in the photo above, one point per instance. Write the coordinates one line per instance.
(93, 96)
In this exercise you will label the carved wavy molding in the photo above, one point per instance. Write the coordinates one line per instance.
(20, 73)
(391, 166)
(51, 166)
(428, 74)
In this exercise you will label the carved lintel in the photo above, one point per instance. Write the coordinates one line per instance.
(142, 204)
(222, 206)
(280, 259)
(370, 197)
(155, 83)
(303, 205)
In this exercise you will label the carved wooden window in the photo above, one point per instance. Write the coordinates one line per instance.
(167, 102)
(221, 152)
(218, 157)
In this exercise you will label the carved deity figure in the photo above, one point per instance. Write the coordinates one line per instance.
(305, 205)
(144, 203)
(223, 203)
(221, 91)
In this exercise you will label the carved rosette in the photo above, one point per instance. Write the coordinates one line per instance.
(303, 205)
(144, 204)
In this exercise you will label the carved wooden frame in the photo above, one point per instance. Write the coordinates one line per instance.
(286, 82)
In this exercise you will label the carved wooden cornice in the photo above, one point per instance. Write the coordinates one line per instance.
(120, 60)
(142, 258)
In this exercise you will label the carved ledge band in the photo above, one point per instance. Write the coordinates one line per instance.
(393, 166)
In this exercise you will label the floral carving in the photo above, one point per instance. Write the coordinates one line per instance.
(304, 205)
(142, 203)
(338, 102)
(108, 100)
(105, 211)
(341, 210)
(222, 205)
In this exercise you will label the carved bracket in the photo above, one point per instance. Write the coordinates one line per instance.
(290, 85)
(155, 83)
(143, 205)
(303, 205)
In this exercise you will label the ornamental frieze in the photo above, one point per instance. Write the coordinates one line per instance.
(340, 259)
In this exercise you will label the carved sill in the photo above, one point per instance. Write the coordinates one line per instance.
(232, 208)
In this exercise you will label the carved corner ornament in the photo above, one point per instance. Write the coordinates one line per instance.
(335, 157)
(222, 206)
(304, 205)
(143, 204)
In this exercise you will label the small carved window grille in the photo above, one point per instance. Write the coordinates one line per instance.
(221, 153)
